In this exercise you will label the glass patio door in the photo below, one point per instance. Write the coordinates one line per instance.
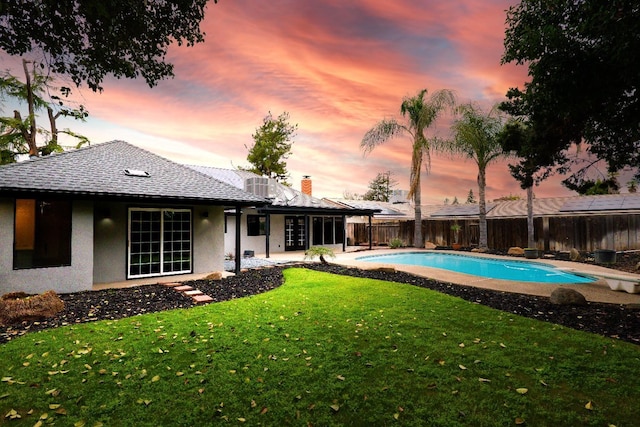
(294, 233)
(159, 242)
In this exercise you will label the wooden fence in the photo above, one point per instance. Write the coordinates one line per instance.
(585, 233)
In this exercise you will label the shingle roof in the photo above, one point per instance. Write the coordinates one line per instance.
(280, 195)
(98, 171)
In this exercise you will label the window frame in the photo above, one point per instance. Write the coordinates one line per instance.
(256, 225)
(54, 230)
(164, 248)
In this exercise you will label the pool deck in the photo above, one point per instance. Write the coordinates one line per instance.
(598, 291)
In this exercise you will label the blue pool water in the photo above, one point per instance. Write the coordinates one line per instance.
(522, 271)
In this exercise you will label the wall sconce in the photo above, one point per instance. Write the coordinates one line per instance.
(103, 213)
(204, 214)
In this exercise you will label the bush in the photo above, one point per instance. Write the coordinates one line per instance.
(396, 243)
(319, 251)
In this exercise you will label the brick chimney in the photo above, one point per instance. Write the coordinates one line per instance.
(306, 185)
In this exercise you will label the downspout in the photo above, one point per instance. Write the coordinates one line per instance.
(268, 231)
(238, 238)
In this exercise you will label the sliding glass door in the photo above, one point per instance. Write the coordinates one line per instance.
(159, 242)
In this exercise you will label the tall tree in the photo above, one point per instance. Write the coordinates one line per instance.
(420, 113)
(89, 39)
(519, 138)
(272, 147)
(18, 134)
(583, 58)
(471, 198)
(381, 187)
(475, 136)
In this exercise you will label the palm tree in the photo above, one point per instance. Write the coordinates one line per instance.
(420, 113)
(475, 136)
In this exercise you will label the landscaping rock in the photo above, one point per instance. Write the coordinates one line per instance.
(574, 255)
(430, 245)
(515, 251)
(216, 275)
(566, 296)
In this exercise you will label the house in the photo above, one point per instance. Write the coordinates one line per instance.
(108, 213)
(294, 221)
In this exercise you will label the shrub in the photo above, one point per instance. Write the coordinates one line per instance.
(319, 251)
(396, 243)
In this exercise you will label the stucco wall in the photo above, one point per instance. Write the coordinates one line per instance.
(208, 239)
(110, 248)
(76, 277)
(110, 243)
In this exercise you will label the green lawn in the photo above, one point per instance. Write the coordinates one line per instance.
(321, 350)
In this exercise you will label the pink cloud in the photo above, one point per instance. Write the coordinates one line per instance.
(338, 68)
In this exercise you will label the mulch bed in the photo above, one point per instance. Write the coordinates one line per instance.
(610, 320)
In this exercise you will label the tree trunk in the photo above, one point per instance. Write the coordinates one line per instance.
(54, 128)
(530, 236)
(482, 206)
(418, 241)
(31, 134)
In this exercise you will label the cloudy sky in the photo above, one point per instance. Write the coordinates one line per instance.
(337, 67)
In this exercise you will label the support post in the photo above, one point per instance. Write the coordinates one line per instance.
(238, 239)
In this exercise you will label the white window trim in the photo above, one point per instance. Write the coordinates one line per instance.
(161, 273)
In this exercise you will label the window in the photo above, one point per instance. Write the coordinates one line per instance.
(42, 233)
(159, 242)
(328, 230)
(317, 230)
(256, 225)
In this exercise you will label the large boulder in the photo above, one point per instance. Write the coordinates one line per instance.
(515, 251)
(430, 245)
(574, 255)
(567, 296)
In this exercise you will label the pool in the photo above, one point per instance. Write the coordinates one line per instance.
(493, 268)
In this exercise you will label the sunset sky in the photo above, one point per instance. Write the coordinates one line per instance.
(337, 67)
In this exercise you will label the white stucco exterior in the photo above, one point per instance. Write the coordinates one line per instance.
(76, 277)
(99, 248)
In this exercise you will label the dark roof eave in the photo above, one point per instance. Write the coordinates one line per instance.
(124, 197)
(316, 211)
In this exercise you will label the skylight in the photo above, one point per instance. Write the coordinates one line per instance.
(137, 172)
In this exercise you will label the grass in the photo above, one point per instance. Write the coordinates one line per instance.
(321, 350)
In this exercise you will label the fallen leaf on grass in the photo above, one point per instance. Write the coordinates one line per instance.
(462, 367)
(589, 406)
(519, 421)
(13, 415)
(484, 380)
(522, 390)
(335, 407)
(340, 377)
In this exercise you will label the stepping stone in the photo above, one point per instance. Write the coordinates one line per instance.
(183, 288)
(202, 298)
(193, 293)
(171, 284)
